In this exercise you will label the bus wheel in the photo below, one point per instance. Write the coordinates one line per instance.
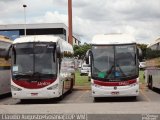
(96, 99)
(150, 83)
(23, 100)
(134, 98)
(71, 87)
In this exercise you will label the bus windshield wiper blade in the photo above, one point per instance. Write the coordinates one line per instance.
(30, 76)
(109, 72)
(35, 74)
(22, 73)
(42, 74)
(19, 75)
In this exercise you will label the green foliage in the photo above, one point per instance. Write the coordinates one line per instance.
(143, 47)
(141, 76)
(152, 53)
(80, 50)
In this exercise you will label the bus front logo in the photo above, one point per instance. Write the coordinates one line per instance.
(43, 83)
(123, 83)
(115, 87)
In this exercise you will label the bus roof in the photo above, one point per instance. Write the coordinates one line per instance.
(37, 38)
(5, 39)
(113, 39)
(45, 38)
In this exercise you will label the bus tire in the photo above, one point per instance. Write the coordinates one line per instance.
(150, 83)
(71, 87)
(96, 99)
(23, 100)
(74, 78)
(134, 98)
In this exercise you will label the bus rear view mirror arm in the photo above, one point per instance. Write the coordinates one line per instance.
(139, 51)
(88, 53)
(58, 51)
(5, 52)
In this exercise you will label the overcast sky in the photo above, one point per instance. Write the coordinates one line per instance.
(141, 18)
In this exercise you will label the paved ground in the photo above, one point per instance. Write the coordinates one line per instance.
(80, 101)
(84, 96)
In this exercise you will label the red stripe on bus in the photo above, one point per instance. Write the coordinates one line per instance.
(34, 84)
(121, 83)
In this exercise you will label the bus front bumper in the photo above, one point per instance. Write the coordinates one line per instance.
(36, 94)
(110, 91)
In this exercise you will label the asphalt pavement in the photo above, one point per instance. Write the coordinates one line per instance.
(81, 102)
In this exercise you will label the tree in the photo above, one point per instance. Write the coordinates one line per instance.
(80, 50)
(143, 47)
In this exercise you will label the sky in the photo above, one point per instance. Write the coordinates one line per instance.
(140, 18)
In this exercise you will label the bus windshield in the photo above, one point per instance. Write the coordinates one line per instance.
(34, 59)
(114, 63)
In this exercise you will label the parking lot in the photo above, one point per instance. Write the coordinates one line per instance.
(81, 101)
(84, 96)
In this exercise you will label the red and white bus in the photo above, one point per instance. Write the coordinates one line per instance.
(40, 67)
(114, 66)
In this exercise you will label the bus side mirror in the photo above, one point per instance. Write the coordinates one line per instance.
(88, 53)
(139, 52)
(58, 51)
(5, 53)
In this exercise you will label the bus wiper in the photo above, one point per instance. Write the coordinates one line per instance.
(121, 71)
(22, 73)
(110, 71)
(35, 74)
(19, 75)
(39, 75)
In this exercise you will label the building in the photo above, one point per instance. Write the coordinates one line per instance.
(76, 40)
(155, 45)
(14, 31)
(17, 30)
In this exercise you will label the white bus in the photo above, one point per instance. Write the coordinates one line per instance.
(40, 67)
(114, 66)
(4, 66)
(152, 71)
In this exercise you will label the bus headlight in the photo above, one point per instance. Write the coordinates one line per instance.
(134, 84)
(13, 88)
(53, 87)
(95, 85)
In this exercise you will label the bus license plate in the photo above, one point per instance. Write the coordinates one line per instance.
(34, 94)
(115, 93)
